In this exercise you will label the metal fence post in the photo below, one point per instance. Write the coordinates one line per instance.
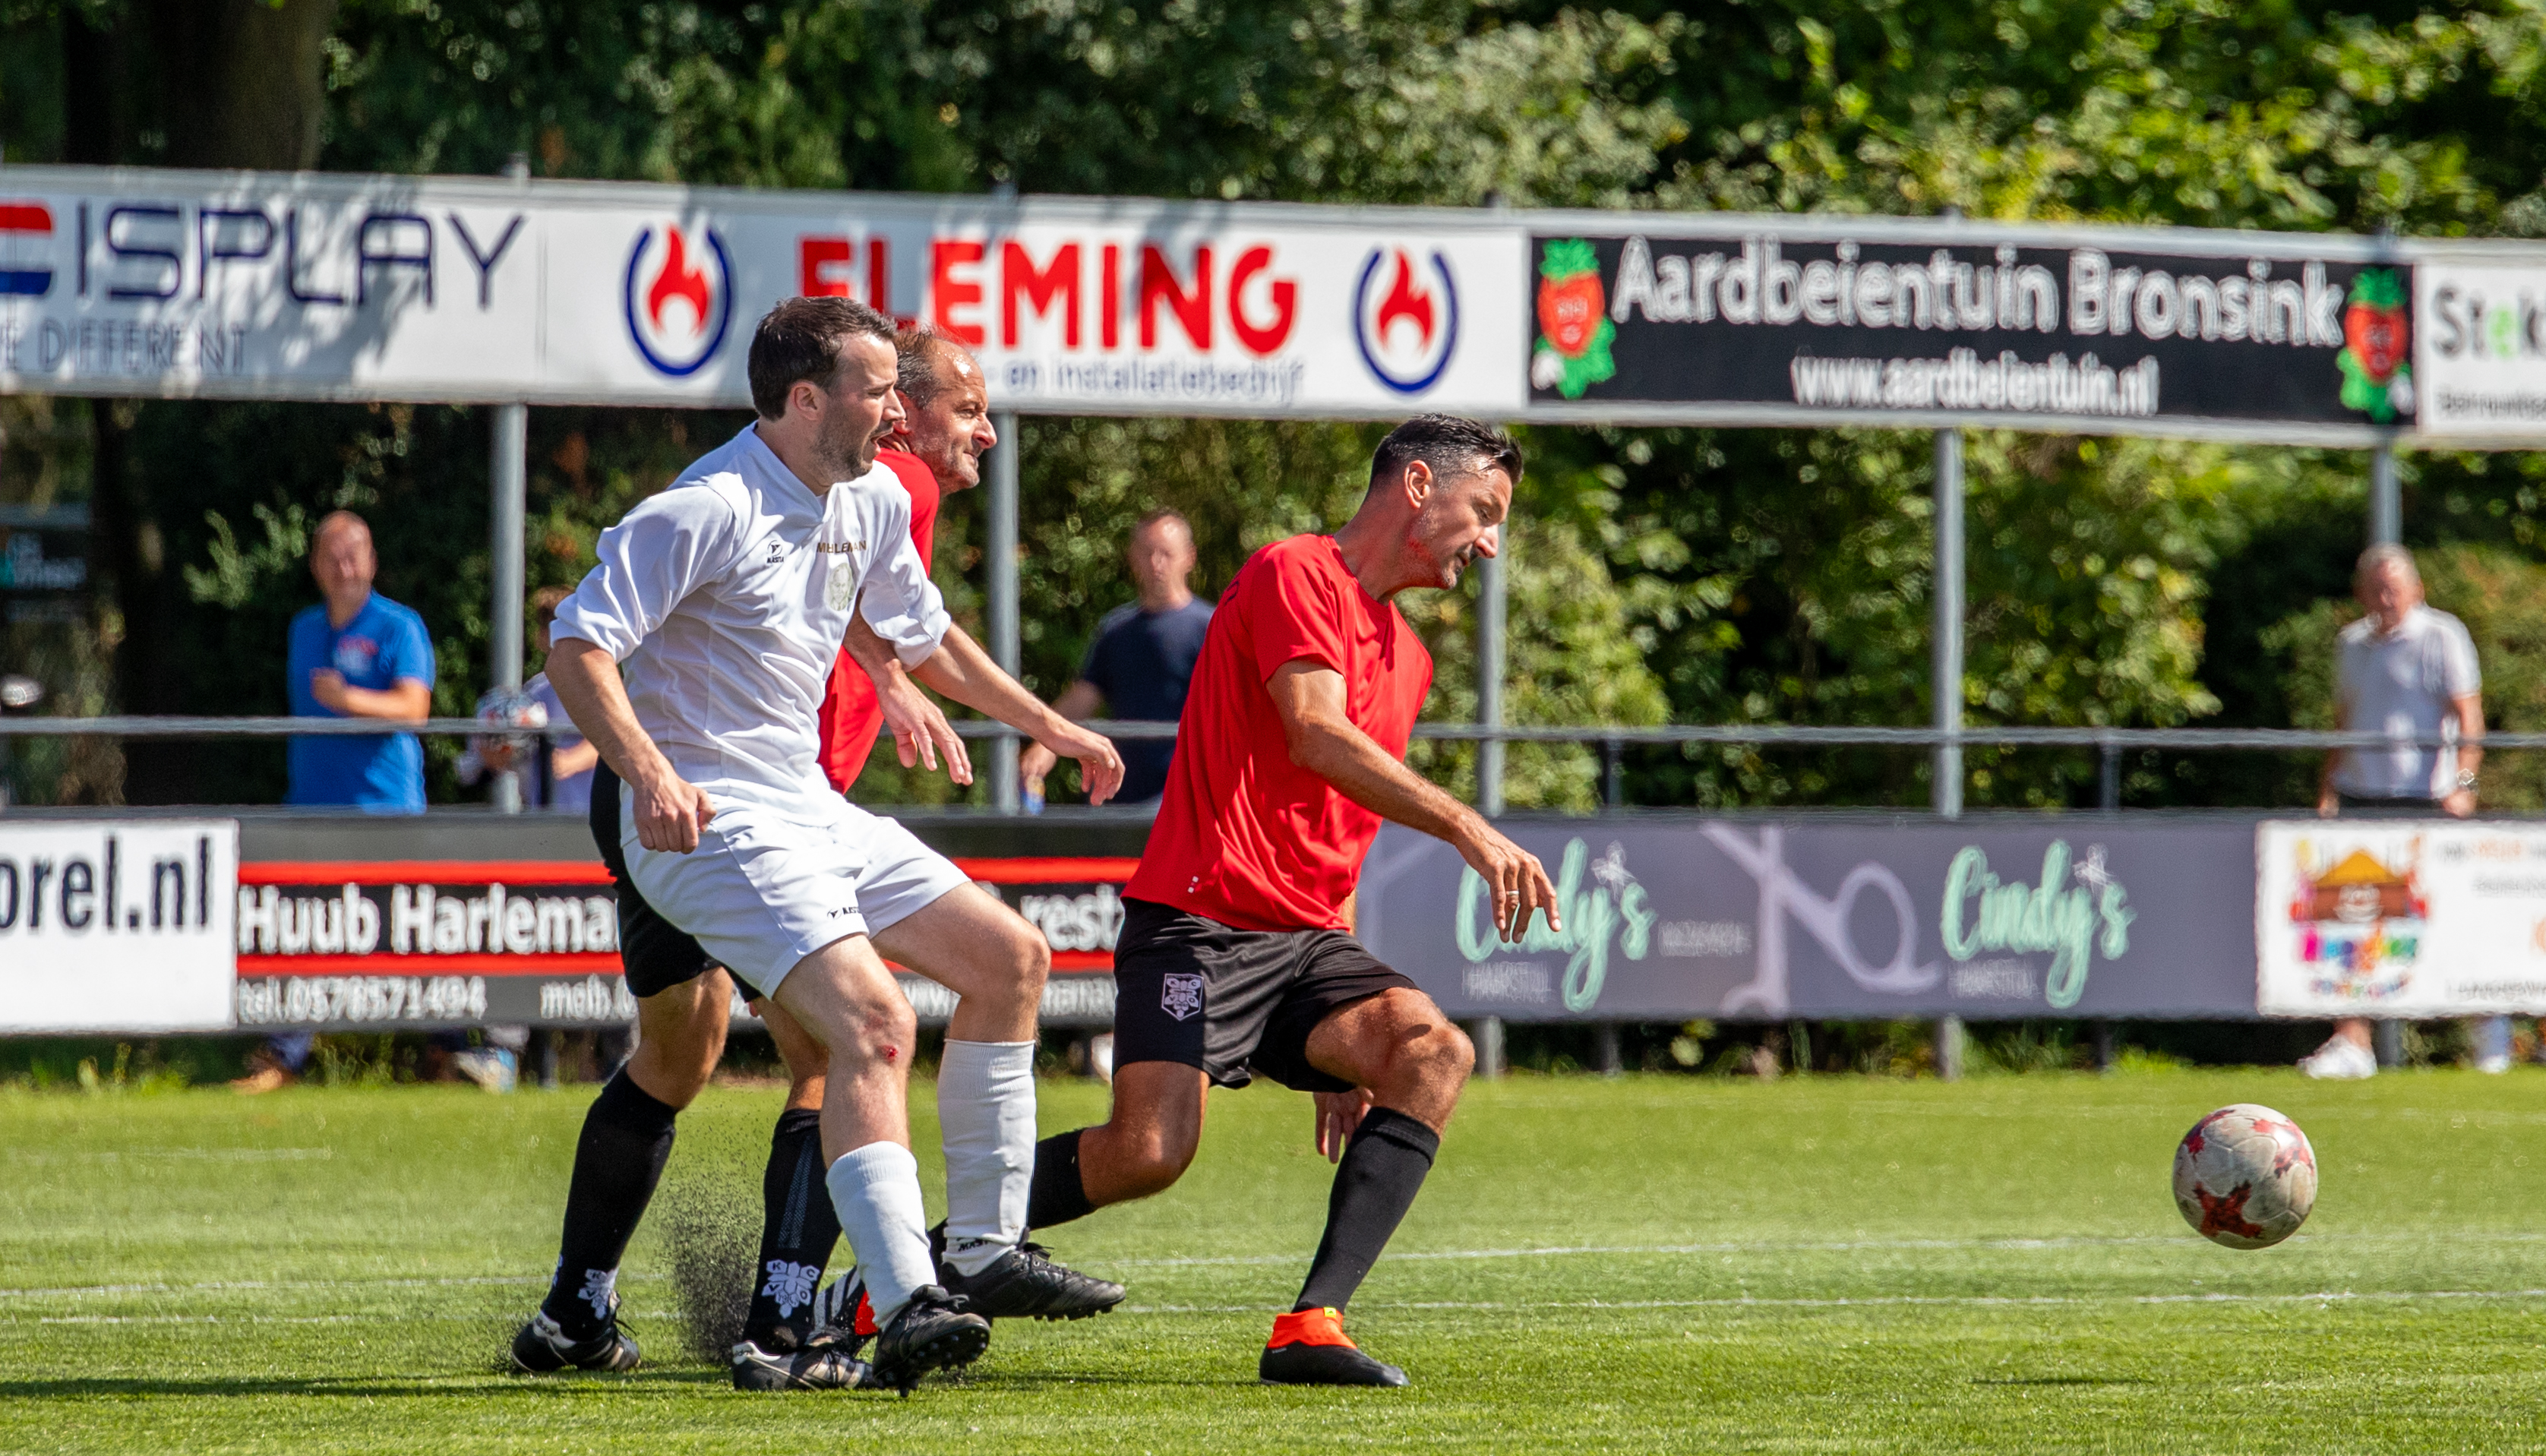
(2386, 497)
(504, 621)
(507, 478)
(1945, 686)
(1000, 546)
(1489, 1047)
(1490, 602)
(1605, 1053)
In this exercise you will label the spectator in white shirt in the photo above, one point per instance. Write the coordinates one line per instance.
(2407, 670)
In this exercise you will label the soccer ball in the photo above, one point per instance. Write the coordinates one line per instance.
(2245, 1176)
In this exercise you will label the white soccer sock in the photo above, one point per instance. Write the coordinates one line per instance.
(985, 1107)
(876, 1191)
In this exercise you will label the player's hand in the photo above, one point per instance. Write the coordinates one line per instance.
(1514, 878)
(1338, 1115)
(670, 812)
(1035, 765)
(2460, 804)
(921, 731)
(327, 685)
(2328, 806)
(1100, 768)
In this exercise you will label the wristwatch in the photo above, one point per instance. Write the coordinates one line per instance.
(2466, 780)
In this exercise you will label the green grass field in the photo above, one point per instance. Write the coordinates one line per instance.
(1651, 1263)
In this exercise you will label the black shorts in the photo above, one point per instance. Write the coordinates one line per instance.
(656, 954)
(1234, 1002)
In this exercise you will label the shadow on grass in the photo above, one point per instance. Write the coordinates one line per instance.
(495, 1382)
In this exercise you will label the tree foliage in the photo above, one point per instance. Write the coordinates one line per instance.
(1694, 574)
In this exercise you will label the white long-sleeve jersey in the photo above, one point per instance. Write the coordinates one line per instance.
(727, 597)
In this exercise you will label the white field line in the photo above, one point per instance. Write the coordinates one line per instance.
(1857, 1246)
(184, 1155)
(1576, 1250)
(1972, 1300)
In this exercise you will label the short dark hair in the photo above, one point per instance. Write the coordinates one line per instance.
(799, 341)
(920, 354)
(1451, 445)
(1161, 516)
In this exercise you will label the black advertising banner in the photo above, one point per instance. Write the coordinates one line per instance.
(391, 945)
(1754, 919)
(1817, 322)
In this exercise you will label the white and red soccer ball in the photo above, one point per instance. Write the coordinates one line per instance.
(2245, 1176)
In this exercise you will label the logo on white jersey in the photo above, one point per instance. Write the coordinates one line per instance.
(841, 587)
(1180, 995)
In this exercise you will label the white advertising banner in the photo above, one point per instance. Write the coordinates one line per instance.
(436, 289)
(117, 926)
(2400, 919)
(2480, 350)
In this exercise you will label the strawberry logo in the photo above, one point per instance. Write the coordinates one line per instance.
(1574, 324)
(2375, 334)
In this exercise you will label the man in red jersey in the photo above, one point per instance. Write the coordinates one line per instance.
(1237, 954)
(934, 451)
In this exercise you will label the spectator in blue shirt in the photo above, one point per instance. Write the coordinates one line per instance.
(357, 654)
(1141, 662)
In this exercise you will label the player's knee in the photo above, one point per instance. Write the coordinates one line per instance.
(1032, 958)
(1439, 1053)
(1159, 1157)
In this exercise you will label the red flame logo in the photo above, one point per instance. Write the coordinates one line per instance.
(678, 279)
(1405, 301)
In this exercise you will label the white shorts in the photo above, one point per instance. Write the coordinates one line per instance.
(766, 889)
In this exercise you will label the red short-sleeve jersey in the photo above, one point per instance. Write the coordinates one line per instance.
(1243, 835)
(851, 717)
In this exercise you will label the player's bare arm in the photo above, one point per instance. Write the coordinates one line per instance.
(920, 732)
(669, 812)
(961, 671)
(1310, 697)
(1078, 702)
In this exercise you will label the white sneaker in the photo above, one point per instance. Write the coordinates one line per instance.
(2340, 1057)
(491, 1067)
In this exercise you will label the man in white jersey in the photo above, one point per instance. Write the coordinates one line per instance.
(726, 598)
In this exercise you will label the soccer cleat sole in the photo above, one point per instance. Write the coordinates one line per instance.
(758, 1370)
(1324, 1364)
(951, 1350)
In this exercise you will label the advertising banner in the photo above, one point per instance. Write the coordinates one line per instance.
(2480, 351)
(1815, 321)
(397, 945)
(431, 289)
(115, 926)
(1763, 919)
(2400, 919)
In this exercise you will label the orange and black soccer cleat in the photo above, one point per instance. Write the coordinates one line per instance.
(1310, 1347)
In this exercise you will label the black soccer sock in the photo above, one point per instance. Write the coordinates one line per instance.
(1381, 1171)
(627, 1139)
(798, 1230)
(1057, 1194)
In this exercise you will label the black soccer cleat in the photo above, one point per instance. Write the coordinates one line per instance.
(543, 1348)
(811, 1369)
(934, 1331)
(1310, 1347)
(1023, 1283)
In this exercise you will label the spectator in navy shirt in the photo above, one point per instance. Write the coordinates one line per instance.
(1143, 656)
(357, 654)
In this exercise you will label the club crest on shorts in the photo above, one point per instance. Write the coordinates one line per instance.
(1180, 995)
